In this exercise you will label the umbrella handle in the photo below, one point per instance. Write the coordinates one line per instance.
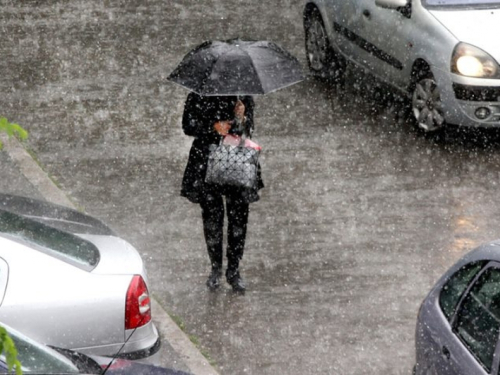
(239, 125)
(236, 121)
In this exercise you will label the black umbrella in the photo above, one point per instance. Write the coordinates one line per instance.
(237, 67)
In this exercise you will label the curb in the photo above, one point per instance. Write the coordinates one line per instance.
(34, 173)
(177, 339)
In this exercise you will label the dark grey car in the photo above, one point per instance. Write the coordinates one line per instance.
(459, 321)
(36, 358)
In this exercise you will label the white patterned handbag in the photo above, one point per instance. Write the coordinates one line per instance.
(231, 164)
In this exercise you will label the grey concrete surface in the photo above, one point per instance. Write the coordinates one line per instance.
(12, 181)
(359, 216)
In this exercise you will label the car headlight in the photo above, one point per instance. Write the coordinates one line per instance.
(471, 61)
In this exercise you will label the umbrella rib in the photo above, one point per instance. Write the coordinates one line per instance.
(252, 65)
(284, 87)
(256, 71)
(214, 62)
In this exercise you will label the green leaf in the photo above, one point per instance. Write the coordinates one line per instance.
(12, 129)
(23, 134)
(8, 346)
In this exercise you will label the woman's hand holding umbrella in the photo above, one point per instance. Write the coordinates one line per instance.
(223, 127)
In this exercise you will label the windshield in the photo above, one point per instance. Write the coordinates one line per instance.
(38, 359)
(469, 4)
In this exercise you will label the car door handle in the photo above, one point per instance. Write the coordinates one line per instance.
(446, 352)
(366, 13)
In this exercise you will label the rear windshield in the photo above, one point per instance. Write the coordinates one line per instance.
(468, 4)
(54, 242)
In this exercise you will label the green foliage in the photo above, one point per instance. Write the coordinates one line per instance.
(7, 346)
(12, 129)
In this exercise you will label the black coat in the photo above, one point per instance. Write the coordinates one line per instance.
(200, 115)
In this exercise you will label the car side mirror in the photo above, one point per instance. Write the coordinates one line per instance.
(403, 6)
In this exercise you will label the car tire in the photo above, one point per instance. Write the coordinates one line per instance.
(426, 104)
(324, 63)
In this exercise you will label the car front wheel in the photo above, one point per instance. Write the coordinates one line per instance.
(323, 62)
(427, 106)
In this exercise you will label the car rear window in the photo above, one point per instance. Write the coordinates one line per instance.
(59, 244)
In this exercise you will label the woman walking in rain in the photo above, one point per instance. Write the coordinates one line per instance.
(208, 119)
(223, 76)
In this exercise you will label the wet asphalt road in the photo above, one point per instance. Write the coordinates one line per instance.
(359, 216)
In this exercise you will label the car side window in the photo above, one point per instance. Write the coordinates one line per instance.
(478, 317)
(457, 284)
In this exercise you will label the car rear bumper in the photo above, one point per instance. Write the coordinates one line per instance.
(142, 345)
(143, 354)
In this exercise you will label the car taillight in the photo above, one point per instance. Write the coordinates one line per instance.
(138, 305)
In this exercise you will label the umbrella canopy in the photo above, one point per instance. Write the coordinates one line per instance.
(237, 67)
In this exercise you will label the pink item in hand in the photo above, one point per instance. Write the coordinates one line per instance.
(234, 140)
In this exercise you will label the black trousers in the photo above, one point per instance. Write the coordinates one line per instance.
(212, 211)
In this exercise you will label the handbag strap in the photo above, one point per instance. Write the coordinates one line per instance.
(240, 127)
(242, 140)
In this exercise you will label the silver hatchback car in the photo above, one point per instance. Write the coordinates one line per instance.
(458, 326)
(67, 280)
(443, 54)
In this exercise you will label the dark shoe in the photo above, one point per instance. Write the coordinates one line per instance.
(234, 279)
(213, 281)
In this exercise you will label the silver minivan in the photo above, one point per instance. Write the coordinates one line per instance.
(442, 54)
